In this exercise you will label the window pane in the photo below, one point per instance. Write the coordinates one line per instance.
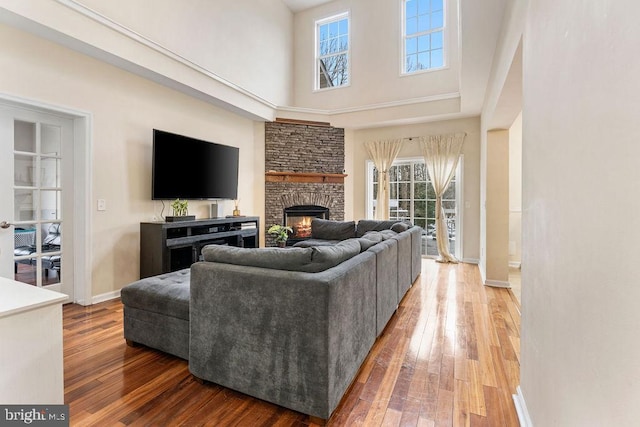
(411, 63)
(436, 58)
(24, 171)
(405, 173)
(334, 29)
(393, 194)
(50, 172)
(423, 6)
(375, 191)
(423, 43)
(420, 172)
(404, 191)
(50, 204)
(431, 193)
(24, 136)
(437, 20)
(411, 46)
(324, 32)
(344, 26)
(431, 209)
(411, 8)
(403, 209)
(412, 26)
(51, 140)
(436, 40)
(420, 191)
(436, 5)
(450, 193)
(423, 23)
(24, 209)
(324, 47)
(423, 60)
(420, 209)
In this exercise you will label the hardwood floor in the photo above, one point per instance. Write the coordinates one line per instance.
(448, 357)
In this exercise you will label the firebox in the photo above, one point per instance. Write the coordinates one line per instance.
(299, 219)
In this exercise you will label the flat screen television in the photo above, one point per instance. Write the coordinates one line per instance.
(192, 169)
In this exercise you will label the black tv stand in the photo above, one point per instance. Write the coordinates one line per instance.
(172, 246)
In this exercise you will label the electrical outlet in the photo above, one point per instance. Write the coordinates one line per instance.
(102, 205)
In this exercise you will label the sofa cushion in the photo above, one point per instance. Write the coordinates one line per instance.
(332, 230)
(291, 259)
(399, 227)
(387, 234)
(166, 294)
(325, 257)
(309, 243)
(309, 260)
(366, 225)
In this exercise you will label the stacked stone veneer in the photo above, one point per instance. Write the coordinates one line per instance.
(302, 148)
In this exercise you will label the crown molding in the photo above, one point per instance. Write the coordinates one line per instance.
(369, 107)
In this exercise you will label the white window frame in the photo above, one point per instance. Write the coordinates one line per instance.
(317, 58)
(403, 38)
(369, 166)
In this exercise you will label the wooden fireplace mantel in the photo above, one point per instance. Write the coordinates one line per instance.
(306, 177)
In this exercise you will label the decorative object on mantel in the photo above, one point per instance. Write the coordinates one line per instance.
(309, 177)
(180, 210)
(281, 234)
(236, 211)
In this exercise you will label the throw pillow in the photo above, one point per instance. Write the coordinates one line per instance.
(399, 227)
(332, 230)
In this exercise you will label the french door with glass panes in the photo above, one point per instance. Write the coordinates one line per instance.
(33, 246)
(411, 197)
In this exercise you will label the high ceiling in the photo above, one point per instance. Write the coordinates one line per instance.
(298, 5)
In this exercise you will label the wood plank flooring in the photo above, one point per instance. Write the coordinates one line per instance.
(448, 357)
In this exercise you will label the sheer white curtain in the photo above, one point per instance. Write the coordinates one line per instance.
(383, 153)
(441, 154)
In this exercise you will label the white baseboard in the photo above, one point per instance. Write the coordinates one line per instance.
(497, 283)
(471, 260)
(515, 264)
(105, 297)
(521, 409)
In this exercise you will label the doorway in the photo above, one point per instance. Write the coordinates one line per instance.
(43, 187)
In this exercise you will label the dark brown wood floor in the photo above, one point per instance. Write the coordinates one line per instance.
(449, 357)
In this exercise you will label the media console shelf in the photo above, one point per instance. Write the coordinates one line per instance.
(172, 246)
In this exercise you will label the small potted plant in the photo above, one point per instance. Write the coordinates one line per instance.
(180, 210)
(281, 234)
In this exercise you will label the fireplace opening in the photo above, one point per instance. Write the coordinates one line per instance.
(299, 219)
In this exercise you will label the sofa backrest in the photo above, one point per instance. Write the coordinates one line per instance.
(309, 260)
(366, 225)
(332, 230)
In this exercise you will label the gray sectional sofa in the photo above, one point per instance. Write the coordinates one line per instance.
(291, 326)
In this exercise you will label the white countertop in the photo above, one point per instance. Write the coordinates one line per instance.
(16, 297)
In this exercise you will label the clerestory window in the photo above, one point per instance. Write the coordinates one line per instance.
(332, 52)
(423, 35)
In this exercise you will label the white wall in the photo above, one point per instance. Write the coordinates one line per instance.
(200, 48)
(471, 152)
(581, 241)
(213, 34)
(515, 192)
(375, 57)
(125, 108)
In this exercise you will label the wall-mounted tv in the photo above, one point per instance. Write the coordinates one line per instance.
(189, 168)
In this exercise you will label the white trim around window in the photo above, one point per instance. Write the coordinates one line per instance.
(335, 55)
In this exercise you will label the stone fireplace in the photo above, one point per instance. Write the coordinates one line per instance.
(304, 165)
